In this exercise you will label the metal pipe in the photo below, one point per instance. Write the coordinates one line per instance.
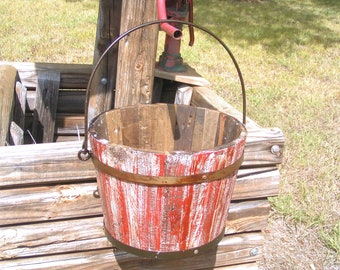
(166, 27)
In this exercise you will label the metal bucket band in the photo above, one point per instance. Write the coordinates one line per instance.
(171, 255)
(229, 171)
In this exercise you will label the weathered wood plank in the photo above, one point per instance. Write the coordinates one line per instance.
(69, 101)
(76, 76)
(45, 106)
(184, 127)
(46, 203)
(25, 242)
(264, 146)
(20, 109)
(257, 185)
(243, 216)
(60, 202)
(52, 237)
(18, 123)
(43, 163)
(260, 183)
(137, 54)
(258, 151)
(189, 76)
(8, 79)
(40, 165)
(106, 259)
(72, 76)
(248, 266)
(69, 124)
(268, 152)
(16, 134)
(104, 80)
(247, 216)
(207, 98)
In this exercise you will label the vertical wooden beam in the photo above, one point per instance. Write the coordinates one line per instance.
(18, 123)
(137, 54)
(20, 105)
(8, 79)
(46, 106)
(103, 84)
(16, 134)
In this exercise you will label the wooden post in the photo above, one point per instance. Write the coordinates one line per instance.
(103, 84)
(137, 54)
(8, 78)
(133, 81)
(46, 106)
(20, 105)
(18, 123)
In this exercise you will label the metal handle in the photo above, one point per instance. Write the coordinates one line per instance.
(84, 153)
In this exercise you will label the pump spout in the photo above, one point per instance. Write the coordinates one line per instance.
(172, 31)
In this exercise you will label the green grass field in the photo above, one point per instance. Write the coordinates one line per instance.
(289, 53)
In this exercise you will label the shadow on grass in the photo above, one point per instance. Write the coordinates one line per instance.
(278, 25)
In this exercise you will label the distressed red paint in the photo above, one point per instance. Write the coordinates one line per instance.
(165, 218)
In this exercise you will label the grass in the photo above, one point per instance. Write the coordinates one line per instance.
(48, 30)
(288, 52)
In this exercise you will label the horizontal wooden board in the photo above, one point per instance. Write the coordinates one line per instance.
(69, 101)
(62, 202)
(106, 259)
(233, 249)
(42, 163)
(46, 203)
(251, 183)
(75, 76)
(257, 184)
(247, 216)
(23, 240)
(72, 76)
(248, 266)
(207, 98)
(190, 76)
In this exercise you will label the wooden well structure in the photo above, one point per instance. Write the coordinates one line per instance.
(51, 214)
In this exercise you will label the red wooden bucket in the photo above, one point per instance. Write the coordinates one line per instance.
(165, 172)
(166, 175)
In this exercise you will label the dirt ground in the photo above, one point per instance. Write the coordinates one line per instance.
(291, 246)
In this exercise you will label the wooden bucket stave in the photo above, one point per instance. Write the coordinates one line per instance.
(165, 173)
(161, 217)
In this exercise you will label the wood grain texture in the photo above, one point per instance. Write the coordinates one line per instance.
(20, 105)
(137, 54)
(103, 84)
(207, 98)
(43, 164)
(60, 202)
(27, 165)
(49, 182)
(8, 79)
(81, 238)
(76, 76)
(46, 203)
(109, 259)
(72, 76)
(45, 108)
(189, 76)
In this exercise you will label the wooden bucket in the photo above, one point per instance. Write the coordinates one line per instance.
(165, 172)
(166, 175)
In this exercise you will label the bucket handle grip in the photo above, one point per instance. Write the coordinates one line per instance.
(84, 154)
